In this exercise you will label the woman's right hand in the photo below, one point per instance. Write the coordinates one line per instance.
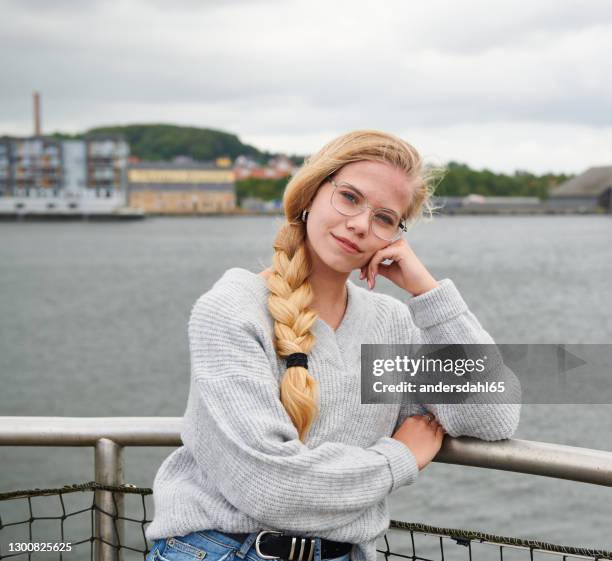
(422, 437)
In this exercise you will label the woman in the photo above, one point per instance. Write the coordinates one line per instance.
(280, 458)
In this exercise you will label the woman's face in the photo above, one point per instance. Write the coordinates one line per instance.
(384, 186)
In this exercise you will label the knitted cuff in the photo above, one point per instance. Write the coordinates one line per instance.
(403, 464)
(437, 305)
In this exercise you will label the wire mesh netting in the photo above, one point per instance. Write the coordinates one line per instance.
(66, 524)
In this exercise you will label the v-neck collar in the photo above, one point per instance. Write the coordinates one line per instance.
(351, 317)
(348, 313)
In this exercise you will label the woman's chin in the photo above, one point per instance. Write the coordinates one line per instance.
(342, 266)
(338, 263)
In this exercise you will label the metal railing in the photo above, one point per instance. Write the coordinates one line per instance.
(109, 435)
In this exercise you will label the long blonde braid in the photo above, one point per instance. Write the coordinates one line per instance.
(289, 304)
(291, 292)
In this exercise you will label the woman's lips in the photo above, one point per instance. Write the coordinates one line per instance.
(345, 246)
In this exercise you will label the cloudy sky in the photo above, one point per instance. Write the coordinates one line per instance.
(499, 84)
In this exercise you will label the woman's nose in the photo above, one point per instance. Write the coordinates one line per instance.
(361, 222)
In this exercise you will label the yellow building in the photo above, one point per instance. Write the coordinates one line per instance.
(181, 187)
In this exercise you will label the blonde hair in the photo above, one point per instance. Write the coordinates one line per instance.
(291, 292)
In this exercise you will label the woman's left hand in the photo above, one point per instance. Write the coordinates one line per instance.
(406, 271)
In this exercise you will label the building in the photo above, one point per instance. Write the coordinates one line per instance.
(589, 190)
(182, 187)
(44, 173)
(277, 168)
(256, 204)
(106, 165)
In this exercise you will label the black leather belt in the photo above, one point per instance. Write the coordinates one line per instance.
(275, 545)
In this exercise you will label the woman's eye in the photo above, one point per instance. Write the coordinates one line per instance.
(385, 219)
(349, 196)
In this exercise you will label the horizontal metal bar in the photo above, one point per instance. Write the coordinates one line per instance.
(86, 431)
(527, 456)
(522, 456)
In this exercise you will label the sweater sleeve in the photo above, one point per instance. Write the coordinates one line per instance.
(240, 434)
(442, 316)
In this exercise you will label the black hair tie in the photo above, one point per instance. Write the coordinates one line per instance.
(297, 359)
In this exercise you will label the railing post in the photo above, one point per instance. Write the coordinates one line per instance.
(109, 471)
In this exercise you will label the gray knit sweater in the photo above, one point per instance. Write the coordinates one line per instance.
(242, 466)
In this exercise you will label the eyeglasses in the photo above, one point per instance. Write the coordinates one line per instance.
(386, 224)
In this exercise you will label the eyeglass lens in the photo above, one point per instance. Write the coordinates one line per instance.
(385, 223)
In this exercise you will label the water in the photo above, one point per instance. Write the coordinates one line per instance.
(94, 323)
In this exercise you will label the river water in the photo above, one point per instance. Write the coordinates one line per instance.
(93, 322)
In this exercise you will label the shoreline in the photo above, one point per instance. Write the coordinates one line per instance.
(134, 213)
(115, 216)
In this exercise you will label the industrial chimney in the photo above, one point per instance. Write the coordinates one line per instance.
(37, 131)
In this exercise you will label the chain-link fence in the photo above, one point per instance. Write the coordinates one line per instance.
(61, 524)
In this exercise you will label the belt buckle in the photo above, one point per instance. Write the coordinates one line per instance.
(257, 544)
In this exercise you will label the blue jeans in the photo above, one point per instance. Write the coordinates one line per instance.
(210, 545)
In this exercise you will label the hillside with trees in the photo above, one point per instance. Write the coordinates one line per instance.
(156, 142)
(164, 142)
(460, 180)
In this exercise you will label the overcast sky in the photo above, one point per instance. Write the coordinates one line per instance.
(499, 84)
